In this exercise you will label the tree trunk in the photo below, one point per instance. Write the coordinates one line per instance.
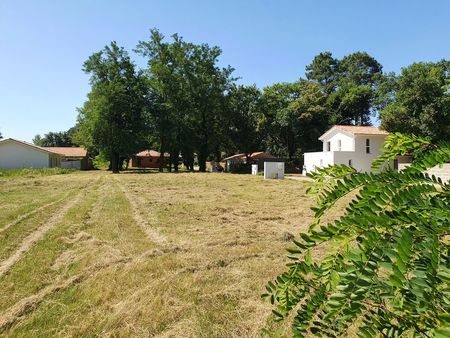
(115, 162)
(162, 149)
(202, 157)
(174, 158)
(204, 146)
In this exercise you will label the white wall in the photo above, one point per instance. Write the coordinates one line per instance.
(347, 141)
(318, 160)
(353, 148)
(363, 161)
(274, 170)
(15, 155)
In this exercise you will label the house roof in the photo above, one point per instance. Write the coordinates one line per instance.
(356, 130)
(30, 145)
(152, 153)
(253, 156)
(69, 151)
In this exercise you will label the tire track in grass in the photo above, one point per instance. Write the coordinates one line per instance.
(153, 234)
(25, 306)
(37, 235)
(31, 213)
(18, 311)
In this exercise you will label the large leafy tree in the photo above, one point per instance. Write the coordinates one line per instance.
(323, 70)
(113, 119)
(421, 103)
(381, 269)
(167, 88)
(192, 92)
(351, 84)
(207, 86)
(293, 116)
(243, 103)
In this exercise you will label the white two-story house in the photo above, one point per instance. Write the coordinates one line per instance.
(355, 146)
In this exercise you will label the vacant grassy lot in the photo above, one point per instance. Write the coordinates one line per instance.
(167, 255)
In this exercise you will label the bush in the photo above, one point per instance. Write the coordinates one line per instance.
(100, 162)
(387, 269)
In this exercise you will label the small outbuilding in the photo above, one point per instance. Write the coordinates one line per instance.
(15, 154)
(236, 161)
(73, 157)
(148, 159)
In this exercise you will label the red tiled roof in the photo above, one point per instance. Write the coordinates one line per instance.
(253, 156)
(357, 130)
(69, 151)
(366, 130)
(152, 153)
(261, 154)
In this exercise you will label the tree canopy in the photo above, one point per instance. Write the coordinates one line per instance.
(186, 104)
(192, 89)
(56, 139)
(113, 119)
(421, 101)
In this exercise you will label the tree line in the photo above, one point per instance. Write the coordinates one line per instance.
(185, 104)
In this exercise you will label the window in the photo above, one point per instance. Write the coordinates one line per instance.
(328, 146)
(367, 146)
(339, 145)
(350, 163)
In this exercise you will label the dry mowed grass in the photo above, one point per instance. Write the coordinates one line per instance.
(166, 255)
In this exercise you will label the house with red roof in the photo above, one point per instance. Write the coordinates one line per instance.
(355, 146)
(148, 159)
(73, 157)
(15, 154)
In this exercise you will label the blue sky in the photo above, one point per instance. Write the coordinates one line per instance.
(44, 43)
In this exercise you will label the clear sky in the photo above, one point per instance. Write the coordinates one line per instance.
(43, 43)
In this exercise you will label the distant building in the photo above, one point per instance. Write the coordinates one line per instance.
(235, 161)
(15, 154)
(148, 159)
(73, 157)
(355, 146)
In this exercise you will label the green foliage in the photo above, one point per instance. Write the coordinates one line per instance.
(100, 161)
(243, 103)
(27, 172)
(189, 89)
(421, 103)
(56, 139)
(292, 117)
(113, 119)
(351, 85)
(387, 268)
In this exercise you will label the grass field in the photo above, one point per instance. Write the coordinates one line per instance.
(167, 255)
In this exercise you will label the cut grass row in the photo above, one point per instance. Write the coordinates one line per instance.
(224, 242)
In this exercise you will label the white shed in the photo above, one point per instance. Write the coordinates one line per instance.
(16, 154)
